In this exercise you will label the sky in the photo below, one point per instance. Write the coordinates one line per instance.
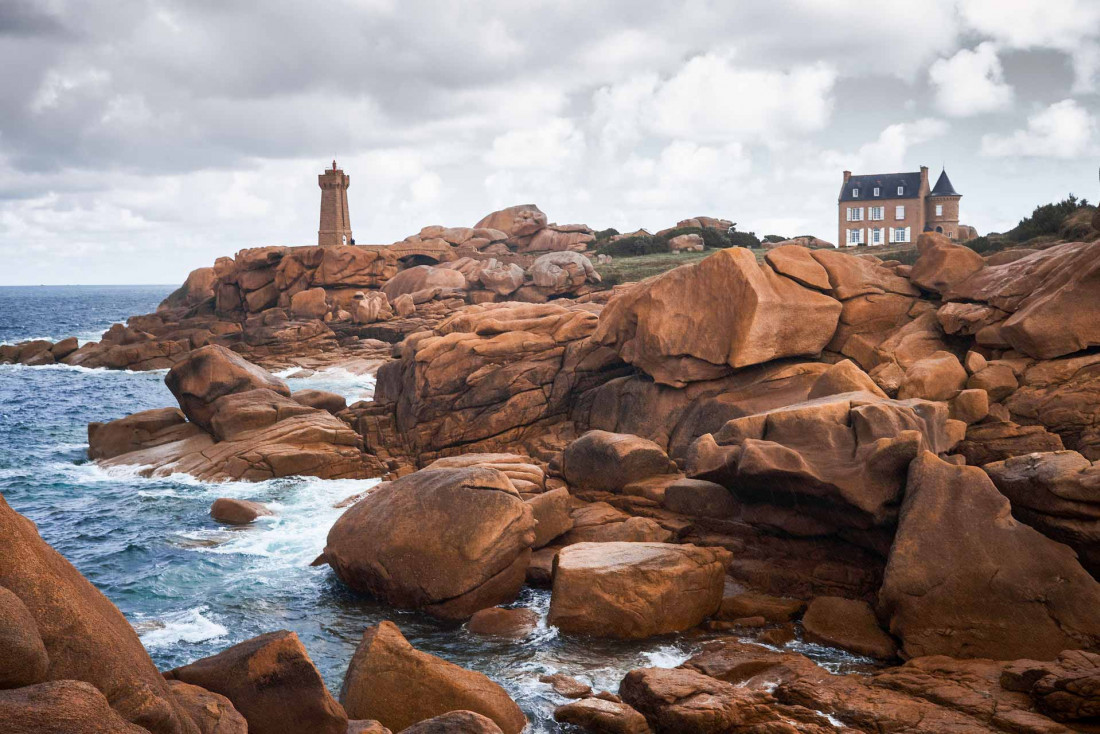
(140, 139)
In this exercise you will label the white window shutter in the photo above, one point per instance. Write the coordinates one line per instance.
(891, 235)
(907, 237)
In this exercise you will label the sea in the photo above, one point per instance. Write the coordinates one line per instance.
(192, 587)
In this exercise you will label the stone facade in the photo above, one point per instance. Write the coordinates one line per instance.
(335, 229)
(895, 208)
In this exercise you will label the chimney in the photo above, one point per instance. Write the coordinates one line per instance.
(848, 175)
(924, 177)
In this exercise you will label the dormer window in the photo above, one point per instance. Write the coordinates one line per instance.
(901, 191)
(877, 190)
(855, 193)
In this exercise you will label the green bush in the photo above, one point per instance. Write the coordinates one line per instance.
(633, 246)
(984, 245)
(743, 239)
(606, 234)
(1045, 220)
(774, 238)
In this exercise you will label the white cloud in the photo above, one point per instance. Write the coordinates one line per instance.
(711, 98)
(1063, 130)
(971, 82)
(550, 146)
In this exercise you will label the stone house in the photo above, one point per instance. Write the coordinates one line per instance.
(893, 208)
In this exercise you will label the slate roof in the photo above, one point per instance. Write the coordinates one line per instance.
(943, 186)
(887, 184)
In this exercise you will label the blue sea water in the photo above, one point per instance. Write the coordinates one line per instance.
(192, 587)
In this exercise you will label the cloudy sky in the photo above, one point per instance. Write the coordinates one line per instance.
(142, 138)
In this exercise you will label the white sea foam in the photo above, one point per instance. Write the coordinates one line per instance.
(666, 656)
(188, 625)
(351, 385)
(81, 368)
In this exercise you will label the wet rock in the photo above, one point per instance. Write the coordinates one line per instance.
(598, 716)
(849, 624)
(61, 707)
(213, 372)
(635, 590)
(563, 685)
(552, 515)
(84, 635)
(132, 433)
(392, 682)
(237, 512)
(455, 722)
(211, 712)
(752, 315)
(498, 622)
(24, 660)
(449, 541)
(272, 683)
(1058, 494)
(681, 700)
(750, 604)
(609, 461)
(964, 577)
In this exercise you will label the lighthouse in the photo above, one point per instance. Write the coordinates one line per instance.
(335, 224)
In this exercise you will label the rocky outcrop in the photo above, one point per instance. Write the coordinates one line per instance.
(272, 683)
(560, 273)
(964, 578)
(942, 264)
(849, 624)
(1058, 494)
(237, 512)
(599, 716)
(455, 722)
(196, 288)
(85, 639)
(1065, 689)
(519, 223)
(740, 314)
(449, 541)
(1050, 297)
(391, 681)
(25, 660)
(211, 712)
(635, 590)
(214, 372)
(1063, 396)
(828, 465)
(608, 462)
(491, 377)
(61, 707)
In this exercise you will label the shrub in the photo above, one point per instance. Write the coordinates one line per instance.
(606, 234)
(1047, 219)
(743, 239)
(633, 246)
(773, 238)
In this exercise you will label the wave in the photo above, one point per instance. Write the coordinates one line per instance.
(81, 368)
(188, 625)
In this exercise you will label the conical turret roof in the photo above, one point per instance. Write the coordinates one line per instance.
(943, 186)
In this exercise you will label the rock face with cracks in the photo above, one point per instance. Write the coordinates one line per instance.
(448, 541)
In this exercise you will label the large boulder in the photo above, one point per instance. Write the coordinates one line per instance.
(519, 223)
(559, 273)
(849, 624)
(449, 541)
(1058, 494)
(635, 590)
(198, 287)
(455, 722)
(212, 372)
(85, 637)
(830, 464)
(1063, 396)
(1066, 689)
(502, 279)
(941, 263)
(61, 707)
(24, 659)
(738, 314)
(965, 579)
(310, 304)
(939, 376)
(606, 461)
(391, 681)
(600, 716)
(423, 278)
(272, 683)
(1052, 297)
(212, 712)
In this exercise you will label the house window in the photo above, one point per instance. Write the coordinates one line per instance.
(901, 234)
(855, 236)
(877, 213)
(939, 210)
(857, 214)
(901, 191)
(877, 189)
(899, 212)
(855, 193)
(876, 236)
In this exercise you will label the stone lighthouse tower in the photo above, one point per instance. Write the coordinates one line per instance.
(335, 224)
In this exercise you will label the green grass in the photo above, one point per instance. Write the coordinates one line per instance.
(632, 269)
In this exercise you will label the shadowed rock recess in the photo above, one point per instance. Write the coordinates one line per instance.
(738, 456)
